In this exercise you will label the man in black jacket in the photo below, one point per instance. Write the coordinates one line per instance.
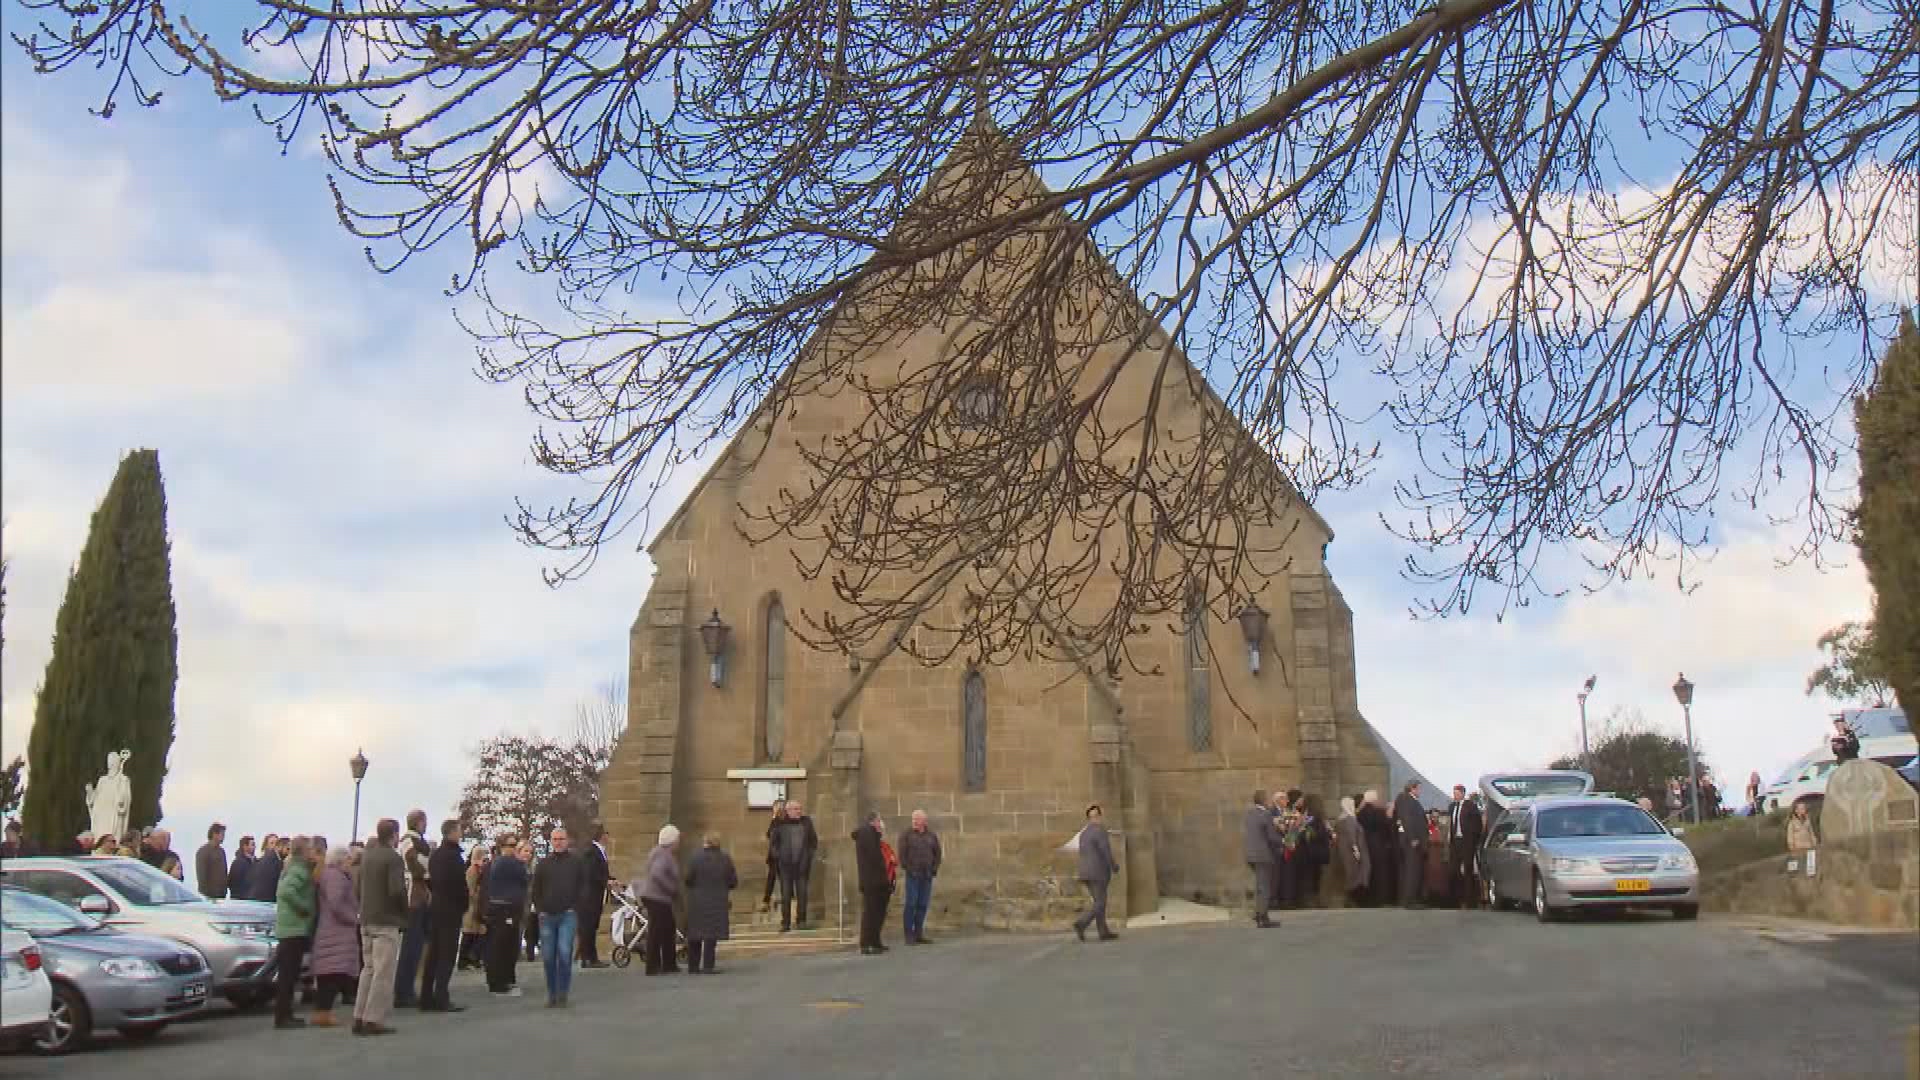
(875, 884)
(237, 874)
(1845, 742)
(447, 907)
(593, 898)
(263, 881)
(1463, 843)
(1410, 826)
(794, 842)
(558, 883)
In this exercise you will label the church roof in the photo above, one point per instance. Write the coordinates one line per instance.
(1030, 180)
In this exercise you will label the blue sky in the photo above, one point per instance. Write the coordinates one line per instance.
(338, 480)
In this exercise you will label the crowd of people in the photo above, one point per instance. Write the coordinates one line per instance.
(1406, 854)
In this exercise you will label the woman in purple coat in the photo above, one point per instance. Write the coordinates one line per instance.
(336, 940)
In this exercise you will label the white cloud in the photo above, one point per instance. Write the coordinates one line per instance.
(336, 484)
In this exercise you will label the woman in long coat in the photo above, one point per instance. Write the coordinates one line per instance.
(336, 940)
(1350, 849)
(473, 928)
(710, 877)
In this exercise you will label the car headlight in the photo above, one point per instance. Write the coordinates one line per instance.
(1679, 861)
(244, 929)
(1573, 866)
(130, 967)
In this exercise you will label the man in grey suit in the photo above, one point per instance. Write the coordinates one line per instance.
(1258, 839)
(1096, 870)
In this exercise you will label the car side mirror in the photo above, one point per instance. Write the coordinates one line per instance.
(1678, 831)
(95, 905)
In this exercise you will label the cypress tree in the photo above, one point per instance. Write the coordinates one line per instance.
(1887, 418)
(109, 684)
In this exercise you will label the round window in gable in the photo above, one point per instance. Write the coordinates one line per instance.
(978, 402)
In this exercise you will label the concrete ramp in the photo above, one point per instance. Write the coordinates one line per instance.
(1174, 911)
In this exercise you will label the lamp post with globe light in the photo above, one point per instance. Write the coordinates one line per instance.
(359, 767)
(1683, 693)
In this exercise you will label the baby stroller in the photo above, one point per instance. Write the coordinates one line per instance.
(630, 928)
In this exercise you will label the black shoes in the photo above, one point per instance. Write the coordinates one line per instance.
(285, 1022)
(1079, 931)
(1109, 937)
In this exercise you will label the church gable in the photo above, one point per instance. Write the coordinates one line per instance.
(1007, 752)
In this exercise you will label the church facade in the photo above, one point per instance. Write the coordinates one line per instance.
(1004, 758)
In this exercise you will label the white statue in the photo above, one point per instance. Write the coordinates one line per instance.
(110, 800)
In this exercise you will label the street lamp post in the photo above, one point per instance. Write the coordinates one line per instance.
(359, 767)
(1586, 754)
(1683, 693)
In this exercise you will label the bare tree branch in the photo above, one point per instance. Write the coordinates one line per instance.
(1585, 270)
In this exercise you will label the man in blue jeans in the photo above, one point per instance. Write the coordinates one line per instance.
(919, 862)
(559, 884)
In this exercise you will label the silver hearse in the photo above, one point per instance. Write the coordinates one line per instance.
(1563, 853)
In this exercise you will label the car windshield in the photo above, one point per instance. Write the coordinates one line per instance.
(1602, 820)
(141, 884)
(39, 916)
(1536, 787)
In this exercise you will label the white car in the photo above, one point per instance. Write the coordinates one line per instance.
(26, 995)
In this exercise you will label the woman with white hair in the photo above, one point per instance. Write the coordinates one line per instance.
(658, 888)
(1381, 864)
(336, 937)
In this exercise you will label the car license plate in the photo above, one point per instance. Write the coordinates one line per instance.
(1631, 885)
(193, 991)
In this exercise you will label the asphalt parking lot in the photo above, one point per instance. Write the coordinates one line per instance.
(1328, 994)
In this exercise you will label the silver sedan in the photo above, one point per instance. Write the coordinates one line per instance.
(103, 978)
(1560, 855)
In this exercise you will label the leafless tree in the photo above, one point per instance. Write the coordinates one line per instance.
(1584, 269)
(600, 720)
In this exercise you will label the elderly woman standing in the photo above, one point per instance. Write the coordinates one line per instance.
(710, 877)
(1350, 844)
(293, 925)
(336, 937)
(658, 888)
(473, 929)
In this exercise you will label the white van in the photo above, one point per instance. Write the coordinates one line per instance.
(1886, 736)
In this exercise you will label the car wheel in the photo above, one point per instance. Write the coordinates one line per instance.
(1686, 912)
(69, 1025)
(146, 1033)
(1541, 909)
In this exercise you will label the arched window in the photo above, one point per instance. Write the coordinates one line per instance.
(1199, 677)
(773, 685)
(973, 724)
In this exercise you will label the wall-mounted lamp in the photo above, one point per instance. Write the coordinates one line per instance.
(1253, 627)
(713, 635)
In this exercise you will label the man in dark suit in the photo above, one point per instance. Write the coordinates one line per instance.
(1096, 872)
(1410, 827)
(594, 898)
(446, 910)
(1258, 839)
(1463, 841)
(875, 884)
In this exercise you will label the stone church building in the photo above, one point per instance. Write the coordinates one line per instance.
(1003, 758)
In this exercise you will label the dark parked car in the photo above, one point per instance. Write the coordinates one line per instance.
(102, 977)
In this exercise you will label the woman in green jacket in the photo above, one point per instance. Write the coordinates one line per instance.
(293, 925)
